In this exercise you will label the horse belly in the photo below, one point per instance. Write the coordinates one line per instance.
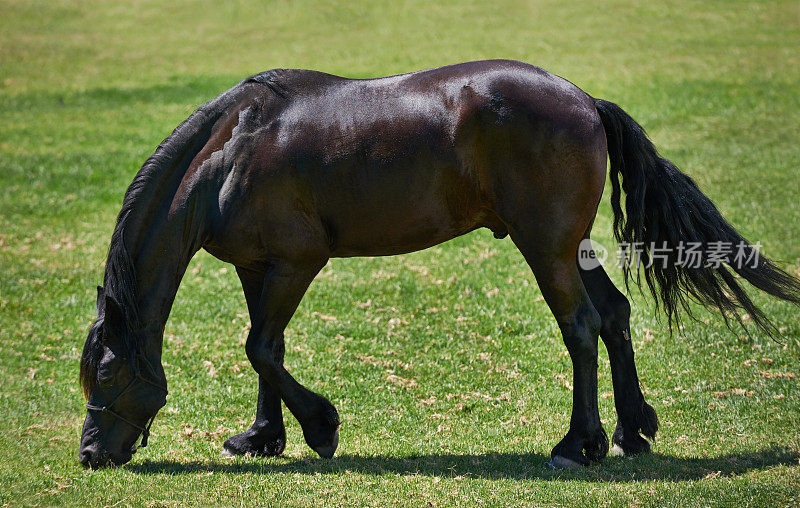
(400, 209)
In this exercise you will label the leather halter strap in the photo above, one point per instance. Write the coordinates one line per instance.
(109, 408)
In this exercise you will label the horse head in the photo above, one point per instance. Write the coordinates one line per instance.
(124, 389)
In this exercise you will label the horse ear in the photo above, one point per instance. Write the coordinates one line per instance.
(113, 318)
(101, 302)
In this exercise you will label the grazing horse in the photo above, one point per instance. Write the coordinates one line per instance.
(290, 168)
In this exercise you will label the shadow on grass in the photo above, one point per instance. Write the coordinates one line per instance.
(491, 466)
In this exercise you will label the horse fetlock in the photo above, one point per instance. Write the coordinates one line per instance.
(274, 447)
(627, 442)
(627, 439)
(641, 418)
(570, 451)
(596, 445)
(256, 442)
(647, 420)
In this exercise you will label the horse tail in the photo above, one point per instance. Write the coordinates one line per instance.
(687, 248)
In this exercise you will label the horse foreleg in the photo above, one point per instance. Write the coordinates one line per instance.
(283, 288)
(634, 415)
(267, 435)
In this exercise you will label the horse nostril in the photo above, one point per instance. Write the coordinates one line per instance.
(90, 457)
(85, 457)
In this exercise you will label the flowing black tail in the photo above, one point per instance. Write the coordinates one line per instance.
(686, 248)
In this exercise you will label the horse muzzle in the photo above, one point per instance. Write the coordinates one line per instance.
(93, 456)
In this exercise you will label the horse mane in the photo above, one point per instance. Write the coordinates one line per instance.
(169, 161)
(120, 272)
(120, 284)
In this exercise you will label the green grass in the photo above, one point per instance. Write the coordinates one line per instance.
(88, 89)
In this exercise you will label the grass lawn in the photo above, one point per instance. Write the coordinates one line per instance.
(446, 365)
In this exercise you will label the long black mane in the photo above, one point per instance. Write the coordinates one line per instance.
(171, 158)
(120, 284)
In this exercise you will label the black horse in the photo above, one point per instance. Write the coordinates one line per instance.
(292, 167)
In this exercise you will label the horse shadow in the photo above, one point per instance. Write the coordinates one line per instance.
(518, 466)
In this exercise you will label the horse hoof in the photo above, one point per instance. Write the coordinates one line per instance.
(327, 452)
(559, 462)
(230, 453)
(628, 443)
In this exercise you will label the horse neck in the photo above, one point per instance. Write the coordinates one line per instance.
(159, 242)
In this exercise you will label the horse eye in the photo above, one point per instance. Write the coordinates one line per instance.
(107, 372)
(104, 376)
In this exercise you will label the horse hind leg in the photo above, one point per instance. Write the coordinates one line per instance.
(564, 292)
(634, 415)
(548, 206)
